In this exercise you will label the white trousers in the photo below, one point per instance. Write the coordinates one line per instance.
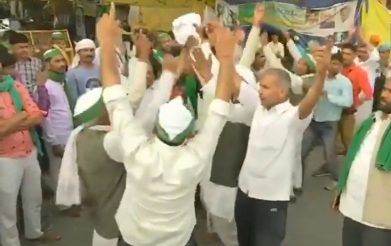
(55, 165)
(226, 230)
(98, 240)
(22, 174)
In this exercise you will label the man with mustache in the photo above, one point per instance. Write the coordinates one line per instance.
(84, 73)
(364, 187)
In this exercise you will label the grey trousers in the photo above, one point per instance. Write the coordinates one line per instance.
(192, 242)
(324, 133)
(357, 234)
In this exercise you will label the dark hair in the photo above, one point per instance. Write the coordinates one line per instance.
(337, 57)
(6, 59)
(18, 38)
(349, 46)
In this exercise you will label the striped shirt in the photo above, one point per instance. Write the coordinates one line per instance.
(28, 71)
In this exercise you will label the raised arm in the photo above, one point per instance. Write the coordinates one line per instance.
(252, 43)
(161, 93)
(307, 105)
(137, 80)
(206, 140)
(292, 48)
(129, 133)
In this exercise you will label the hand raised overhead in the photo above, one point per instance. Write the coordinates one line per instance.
(108, 29)
(259, 15)
(225, 43)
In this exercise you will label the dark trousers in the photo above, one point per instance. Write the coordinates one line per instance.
(324, 133)
(357, 234)
(260, 222)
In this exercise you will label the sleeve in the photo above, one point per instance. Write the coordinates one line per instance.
(136, 82)
(375, 55)
(129, 132)
(161, 94)
(205, 142)
(293, 50)
(47, 126)
(301, 124)
(43, 99)
(71, 89)
(271, 58)
(345, 96)
(248, 102)
(365, 86)
(282, 50)
(251, 47)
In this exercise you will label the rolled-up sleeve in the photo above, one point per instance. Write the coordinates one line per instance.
(129, 132)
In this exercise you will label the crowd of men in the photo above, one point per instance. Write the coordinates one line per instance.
(131, 130)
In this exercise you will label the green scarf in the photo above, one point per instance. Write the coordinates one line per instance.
(191, 85)
(56, 76)
(383, 159)
(8, 86)
(158, 55)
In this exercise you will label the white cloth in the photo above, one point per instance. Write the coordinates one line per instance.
(246, 74)
(174, 117)
(353, 198)
(68, 187)
(158, 204)
(185, 26)
(277, 48)
(82, 44)
(20, 175)
(271, 151)
(225, 229)
(98, 240)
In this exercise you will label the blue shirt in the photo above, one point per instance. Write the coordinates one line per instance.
(338, 95)
(81, 79)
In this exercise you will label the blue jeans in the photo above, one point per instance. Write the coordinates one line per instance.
(260, 222)
(323, 133)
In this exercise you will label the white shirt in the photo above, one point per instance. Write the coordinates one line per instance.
(277, 48)
(267, 170)
(58, 124)
(371, 66)
(157, 207)
(353, 198)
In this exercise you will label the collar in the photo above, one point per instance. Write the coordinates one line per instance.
(282, 107)
(379, 116)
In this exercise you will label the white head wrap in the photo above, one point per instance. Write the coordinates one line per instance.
(68, 188)
(185, 26)
(82, 44)
(174, 117)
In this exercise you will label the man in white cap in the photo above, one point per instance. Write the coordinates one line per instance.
(83, 74)
(163, 171)
(86, 161)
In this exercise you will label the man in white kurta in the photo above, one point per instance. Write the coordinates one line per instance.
(162, 174)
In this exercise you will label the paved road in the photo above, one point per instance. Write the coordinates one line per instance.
(311, 221)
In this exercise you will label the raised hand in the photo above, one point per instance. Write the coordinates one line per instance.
(108, 29)
(322, 56)
(170, 64)
(42, 76)
(202, 65)
(210, 31)
(259, 15)
(143, 47)
(225, 43)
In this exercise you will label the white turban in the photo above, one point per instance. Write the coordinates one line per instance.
(185, 26)
(82, 44)
(174, 118)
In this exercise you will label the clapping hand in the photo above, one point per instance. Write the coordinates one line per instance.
(202, 65)
(259, 15)
(225, 43)
(322, 56)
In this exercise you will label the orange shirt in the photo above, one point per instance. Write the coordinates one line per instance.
(17, 144)
(360, 83)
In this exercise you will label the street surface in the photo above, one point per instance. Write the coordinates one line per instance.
(311, 221)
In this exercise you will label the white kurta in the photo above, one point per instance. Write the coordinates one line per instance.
(158, 204)
(353, 198)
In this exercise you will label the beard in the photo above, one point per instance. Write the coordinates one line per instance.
(385, 107)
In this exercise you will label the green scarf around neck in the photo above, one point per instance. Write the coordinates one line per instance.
(8, 85)
(383, 159)
(56, 76)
